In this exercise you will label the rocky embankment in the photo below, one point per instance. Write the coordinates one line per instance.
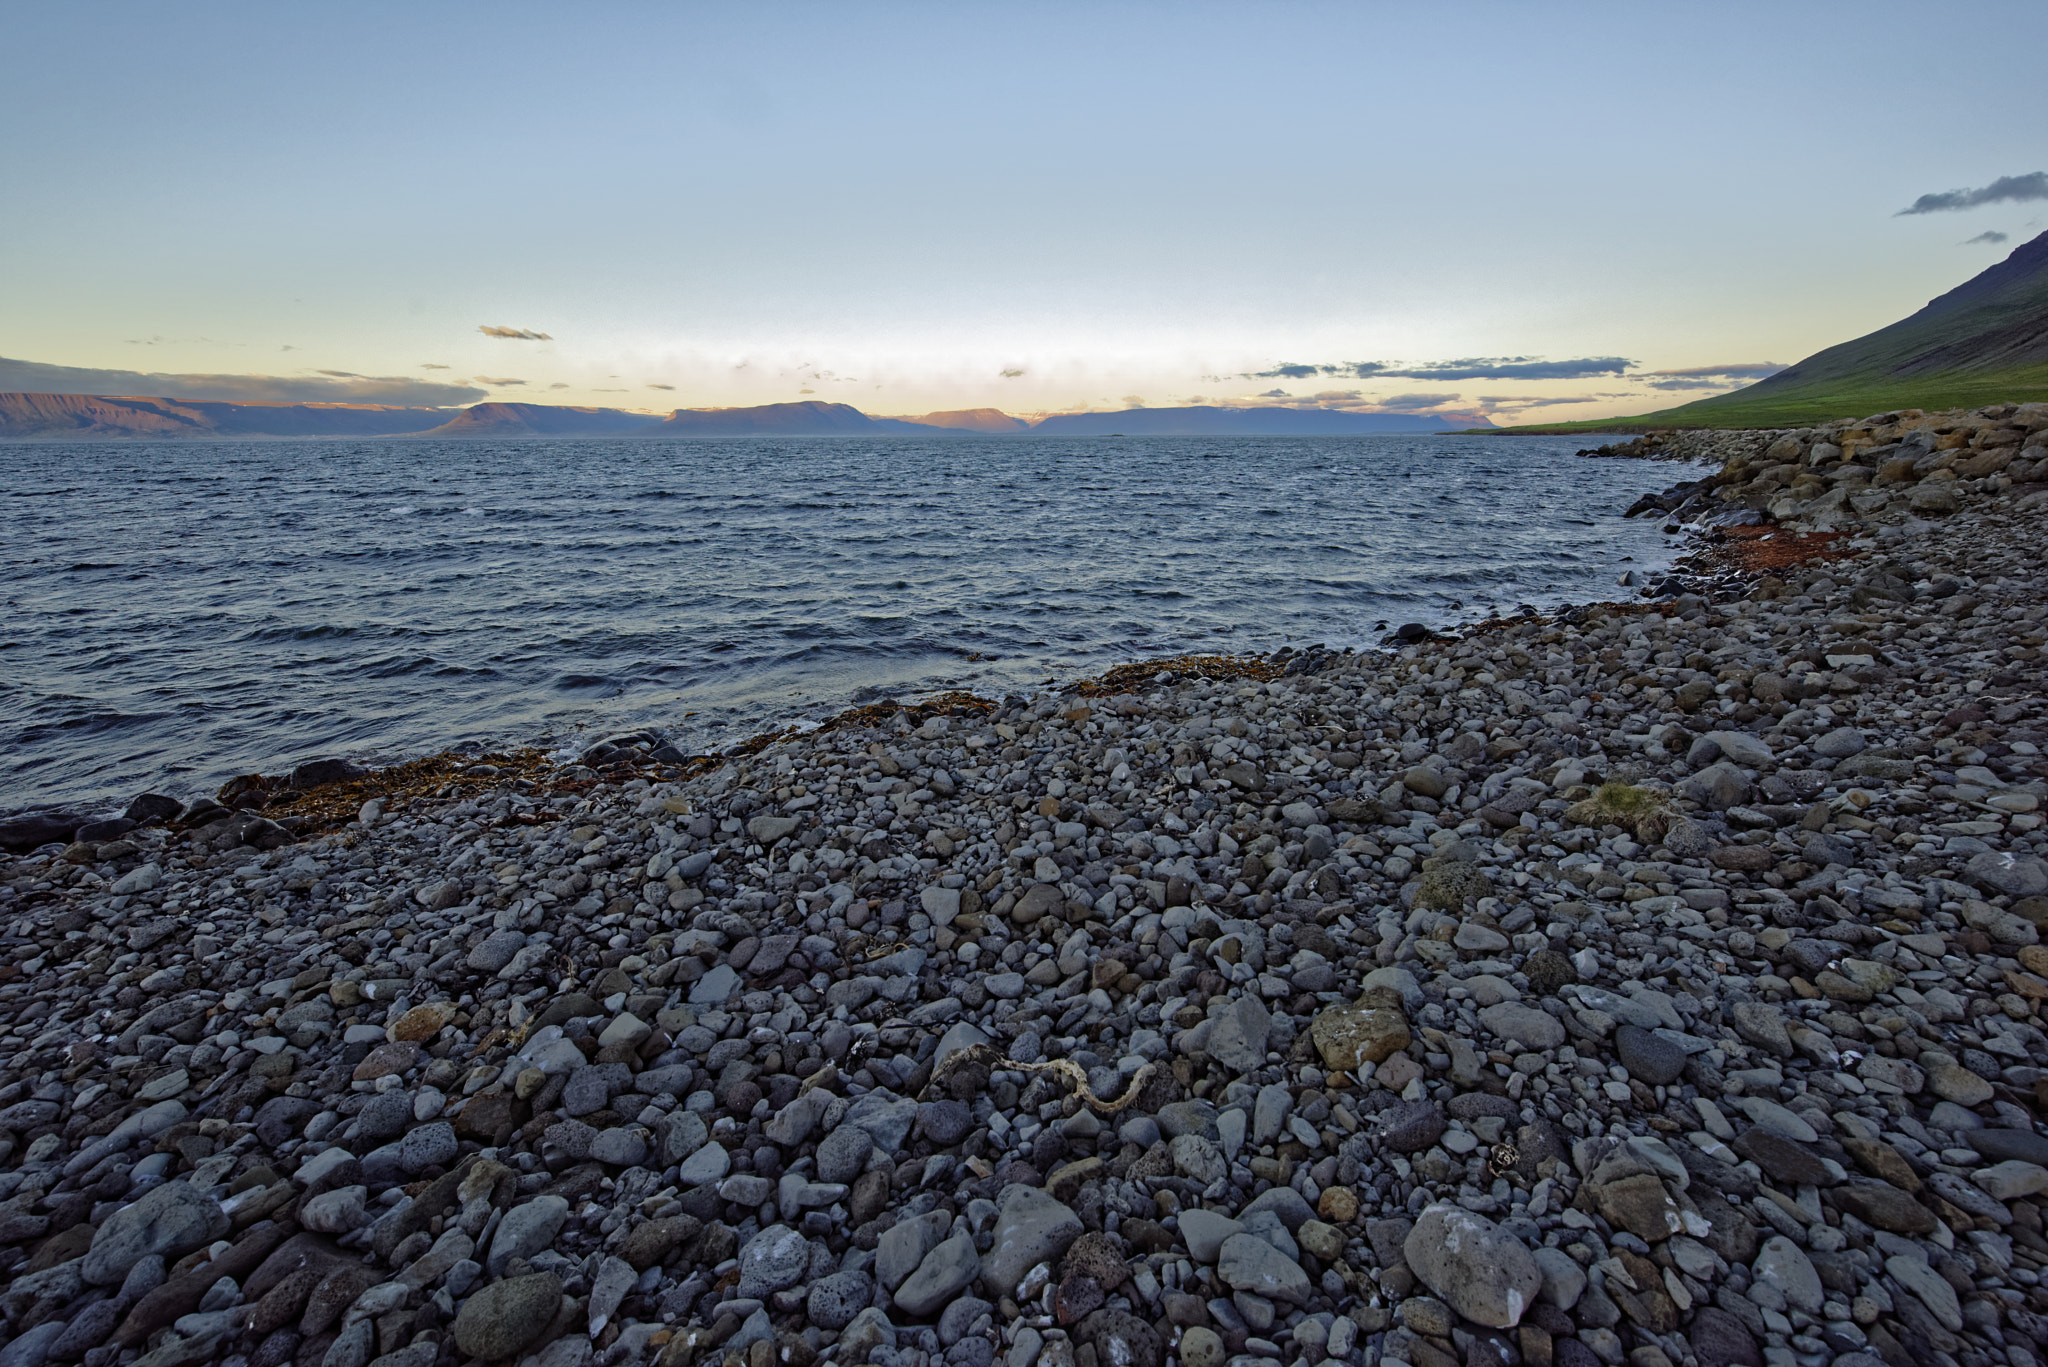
(1928, 463)
(1825, 478)
(1656, 984)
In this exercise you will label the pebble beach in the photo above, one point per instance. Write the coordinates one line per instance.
(1656, 982)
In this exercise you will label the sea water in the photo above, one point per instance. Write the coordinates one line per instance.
(177, 613)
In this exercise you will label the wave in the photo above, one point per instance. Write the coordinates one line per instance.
(523, 591)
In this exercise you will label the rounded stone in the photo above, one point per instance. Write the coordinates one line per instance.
(1648, 1058)
(427, 1146)
(385, 1116)
(1477, 1268)
(1720, 1340)
(1201, 1346)
(945, 1122)
(504, 1317)
(834, 1300)
(1549, 971)
(844, 1153)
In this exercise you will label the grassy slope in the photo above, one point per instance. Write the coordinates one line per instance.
(1984, 342)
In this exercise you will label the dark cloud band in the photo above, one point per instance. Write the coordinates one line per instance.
(2016, 189)
(1710, 376)
(1464, 368)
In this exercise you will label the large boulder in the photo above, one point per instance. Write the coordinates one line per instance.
(1473, 1265)
(168, 1222)
(504, 1317)
(1031, 1228)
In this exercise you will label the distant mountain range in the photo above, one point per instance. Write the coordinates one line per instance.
(99, 417)
(1984, 342)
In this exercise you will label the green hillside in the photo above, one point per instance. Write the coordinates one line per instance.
(1984, 342)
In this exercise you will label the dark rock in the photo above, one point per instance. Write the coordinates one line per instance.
(1549, 972)
(1411, 1126)
(44, 828)
(1786, 1160)
(834, 1300)
(279, 1119)
(572, 1006)
(151, 808)
(276, 1349)
(385, 1116)
(1078, 1297)
(2000, 1146)
(506, 1316)
(652, 1241)
(1722, 1177)
(1473, 1105)
(1718, 1339)
(1572, 1352)
(315, 773)
(1648, 1058)
(944, 1122)
(1730, 1233)
(1121, 1339)
(1883, 1206)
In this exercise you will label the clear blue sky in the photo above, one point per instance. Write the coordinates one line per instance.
(894, 205)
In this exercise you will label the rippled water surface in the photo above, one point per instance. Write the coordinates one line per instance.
(179, 613)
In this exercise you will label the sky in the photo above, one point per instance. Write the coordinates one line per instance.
(1535, 212)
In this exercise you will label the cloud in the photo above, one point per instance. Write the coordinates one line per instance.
(1011, 372)
(1725, 376)
(652, 386)
(1490, 403)
(1504, 368)
(1133, 401)
(1465, 368)
(1710, 376)
(1990, 239)
(1344, 401)
(485, 379)
(1754, 370)
(424, 365)
(339, 374)
(35, 377)
(558, 385)
(514, 334)
(2014, 188)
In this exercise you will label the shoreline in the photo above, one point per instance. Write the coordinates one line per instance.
(515, 687)
(1657, 980)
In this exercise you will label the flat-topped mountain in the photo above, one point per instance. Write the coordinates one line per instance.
(992, 420)
(541, 420)
(813, 417)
